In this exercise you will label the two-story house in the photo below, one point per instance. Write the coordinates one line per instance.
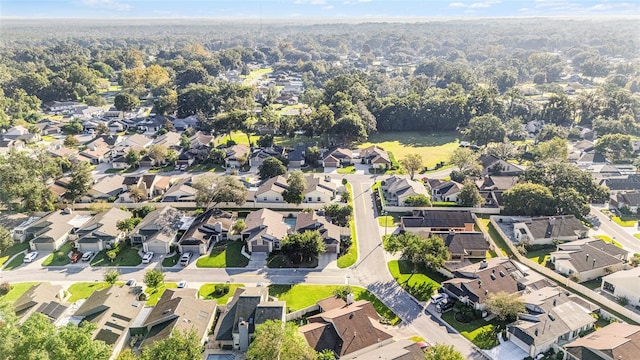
(158, 230)
(264, 229)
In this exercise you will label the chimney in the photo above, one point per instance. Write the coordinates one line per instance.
(594, 263)
(350, 298)
(587, 257)
(483, 264)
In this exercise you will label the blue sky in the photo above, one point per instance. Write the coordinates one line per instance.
(314, 8)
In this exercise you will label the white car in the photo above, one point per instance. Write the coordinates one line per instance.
(30, 257)
(131, 282)
(437, 297)
(182, 284)
(87, 256)
(147, 257)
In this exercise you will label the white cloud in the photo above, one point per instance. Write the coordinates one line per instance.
(310, 2)
(484, 4)
(457, 5)
(107, 4)
(607, 7)
(328, 7)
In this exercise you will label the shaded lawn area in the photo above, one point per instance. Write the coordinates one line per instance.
(607, 239)
(300, 296)
(127, 256)
(279, 261)
(540, 256)
(167, 168)
(351, 256)
(592, 284)
(17, 261)
(208, 292)
(171, 260)
(17, 289)
(497, 239)
(401, 272)
(439, 146)
(224, 254)
(60, 257)
(480, 332)
(83, 290)
(154, 294)
(16, 248)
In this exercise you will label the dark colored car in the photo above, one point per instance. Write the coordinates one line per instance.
(76, 256)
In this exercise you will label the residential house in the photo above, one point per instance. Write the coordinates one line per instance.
(331, 234)
(337, 157)
(106, 189)
(447, 191)
(135, 142)
(61, 106)
(427, 221)
(7, 145)
(544, 230)
(179, 310)
(190, 122)
(629, 200)
(296, 156)
(20, 232)
(157, 231)
(52, 231)
(264, 229)
(116, 126)
(551, 319)
(584, 145)
(403, 349)
(119, 162)
(473, 283)
(98, 151)
(113, 310)
(87, 112)
(349, 331)
(623, 284)
(200, 139)
(49, 127)
(377, 157)
(397, 189)
(491, 182)
(492, 165)
(208, 228)
(465, 245)
(318, 190)
(170, 140)
(258, 155)
(152, 185)
(236, 156)
(101, 232)
(42, 298)
(625, 183)
(20, 132)
(591, 158)
(182, 191)
(248, 308)
(271, 191)
(151, 124)
(614, 341)
(589, 259)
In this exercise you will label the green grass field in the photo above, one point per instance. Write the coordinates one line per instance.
(238, 137)
(347, 170)
(17, 289)
(127, 256)
(255, 74)
(83, 290)
(207, 292)
(171, 261)
(351, 256)
(433, 148)
(386, 221)
(16, 248)
(300, 296)
(481, 333)
(225, 254)
(401, 272)
(17, 261)
(486, 224)
(154, 294)
(540, 256)
(60, 257)
(625, 223)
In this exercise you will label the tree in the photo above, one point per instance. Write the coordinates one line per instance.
(339, 215)
(277, 340)
(465, 160)
(238, 226)
(470, 195)
(271, 167)
(554, 149)
(132, 158)
(558, 110)
(181, 345)
(172, 156)
(153, 278)
(126, 102)
(157, 153)
(326, 354)
(70, 141)
(111, 276)
(127, 225)
(312, 156)
(6, 239)
(102, 128)
(551, 131)
(485, 128)
(529, 200)
(505, 306)
(211, 190)
(412, 163)
(417, 200)
(137, 194)
(442, 352)
(73, 127)
(306, 245)
(81, 181)
(615, 146)
(296, 186)
(430, 252)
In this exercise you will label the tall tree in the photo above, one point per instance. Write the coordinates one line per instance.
(301, 246)
(505, 306)
(529, 200)
(470, 195)
(465, 160)
(81, 181)
(102, 128)
(157, 153)
(558, 110)
(126, 102)
(271, 167)
(132, 158)
(153, 278)
(412, 163)
(277, 340)
(6, 239)
(554, 149)
(181, 345)
(296, 185)
(111, 276)
(485, 128)
(615, 146)
(211, 190)
(430, 252)
(442, 352)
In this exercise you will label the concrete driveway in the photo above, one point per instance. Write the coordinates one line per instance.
(506, 351)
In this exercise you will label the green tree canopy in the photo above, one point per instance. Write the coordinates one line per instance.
(442, 352)
(470, 195)
(181, 345)
(277, 340)
(296, 186)
(306, 245)
(211, 190)
(412, 163)
(126, 102)
(153, 278)
(529, 199)
(271, 167)
(484, 129)
(428, 252)
(505, 306)
(417, 200)
(81, 181)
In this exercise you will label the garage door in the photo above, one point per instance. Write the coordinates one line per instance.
(194, 249)
(84, 247)
(159, 248)
(43, 246)
(260, 248)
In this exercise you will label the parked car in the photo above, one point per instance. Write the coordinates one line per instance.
(444, 305)
(184, 167)
(30, 257)
(439, 296)
(87, 256)
(147, 257)
(131, 283)
(182, 284)
(185, 258)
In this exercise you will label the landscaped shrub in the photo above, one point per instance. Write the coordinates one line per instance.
(622, 300)
(221, 289)
(5, 287)
(143, 296)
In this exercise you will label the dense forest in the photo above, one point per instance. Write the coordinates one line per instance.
(358, 78)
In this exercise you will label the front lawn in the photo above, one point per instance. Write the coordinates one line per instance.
(224, 254)
(83, 290)
(420, 285)
(171, 260)
(607, 239)
(592, 284)
(206, 167)
(16, 248)
(208, 292)
(17, 289)
(60, 257)
(481, 333)
(386, 221)
(351, 256)
(622, 222)
(438, 146)
(154, 294)
(127, 256)
(300, 296)
(17, 261)
(347, 170)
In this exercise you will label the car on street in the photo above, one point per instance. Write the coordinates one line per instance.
(185, 258)
(87, 256)
(30, 257)
(131, 283)
(147, 257)
(182, 284)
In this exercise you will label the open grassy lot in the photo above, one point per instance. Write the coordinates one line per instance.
(238, 137)
(282, 261)
(415, 284)
(127, 256)
(17, 289)
(480, 332)
(497, 239)
(255, 74)
(607, 239)
(16, 248)
(300, 296)
(434, 148)
(60, 257)
(83, 290)
(208, 291)
(351, 256)
(154, 294)
(224, 254)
